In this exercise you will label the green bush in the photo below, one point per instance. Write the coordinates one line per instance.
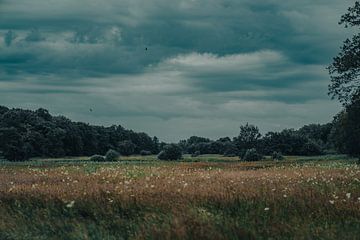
(252, 155)
(170, 152)
(277, 156)
(112, 155)
(97, 158)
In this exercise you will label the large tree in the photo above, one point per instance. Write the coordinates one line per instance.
(345, 69)
(345, 85)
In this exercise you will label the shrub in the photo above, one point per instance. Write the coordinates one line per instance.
(145, 153)
(277, 156)
(112, 155)
(97, 158)
(170, 152)
(252, 155)
(196, 154)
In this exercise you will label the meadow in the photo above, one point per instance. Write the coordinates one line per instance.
(207, 197)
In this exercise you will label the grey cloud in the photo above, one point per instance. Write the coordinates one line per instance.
(210, 65)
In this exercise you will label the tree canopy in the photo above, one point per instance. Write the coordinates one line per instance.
(345, 69)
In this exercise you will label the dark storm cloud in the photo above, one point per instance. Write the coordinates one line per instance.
(204, 59)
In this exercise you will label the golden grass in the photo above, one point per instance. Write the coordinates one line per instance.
(199, 192)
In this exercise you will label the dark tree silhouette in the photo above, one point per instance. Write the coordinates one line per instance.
(345, 69)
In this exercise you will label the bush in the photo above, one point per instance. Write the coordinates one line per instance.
(277, 156)
(170, 152)
(145, 153)
(97, 158)
(126, 148)
(252, 155)
(112, 155)
(196, 154)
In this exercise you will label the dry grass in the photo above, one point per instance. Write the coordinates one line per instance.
(207, 200)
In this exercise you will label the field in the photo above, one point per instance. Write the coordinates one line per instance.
(209, 197)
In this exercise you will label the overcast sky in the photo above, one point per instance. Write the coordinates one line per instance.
(210, 65)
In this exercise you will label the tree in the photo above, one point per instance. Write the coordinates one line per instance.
(25, 133)
(12, 145)
(155, 148)
(345, 69)
(126, 148)
(345, 85)
(112, 155)
(170, 152)
(248, 137)
(346, 130)
(251, 155)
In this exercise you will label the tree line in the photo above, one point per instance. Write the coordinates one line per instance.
(313, 139)
(25, 134)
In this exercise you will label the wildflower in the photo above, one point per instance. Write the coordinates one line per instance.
(285, 196)
(332, 201)
(266, 209)
(70, 204)
(348, 195)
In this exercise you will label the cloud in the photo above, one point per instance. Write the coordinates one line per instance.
(209, 65)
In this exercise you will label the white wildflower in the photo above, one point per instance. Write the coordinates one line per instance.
(70, 204)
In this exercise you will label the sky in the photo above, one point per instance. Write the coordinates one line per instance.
(173, 68)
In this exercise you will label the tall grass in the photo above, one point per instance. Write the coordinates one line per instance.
(185, 200)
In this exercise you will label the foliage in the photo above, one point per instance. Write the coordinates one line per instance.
(291, 142)
(248, 137)
(346, 130)
(112, 155)
(170, 152)
(311, 148)
(277, 156)
(26, 134)
(230, 149)
(126, 148)
(252, 155)
(345, 69)
(97, 158)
